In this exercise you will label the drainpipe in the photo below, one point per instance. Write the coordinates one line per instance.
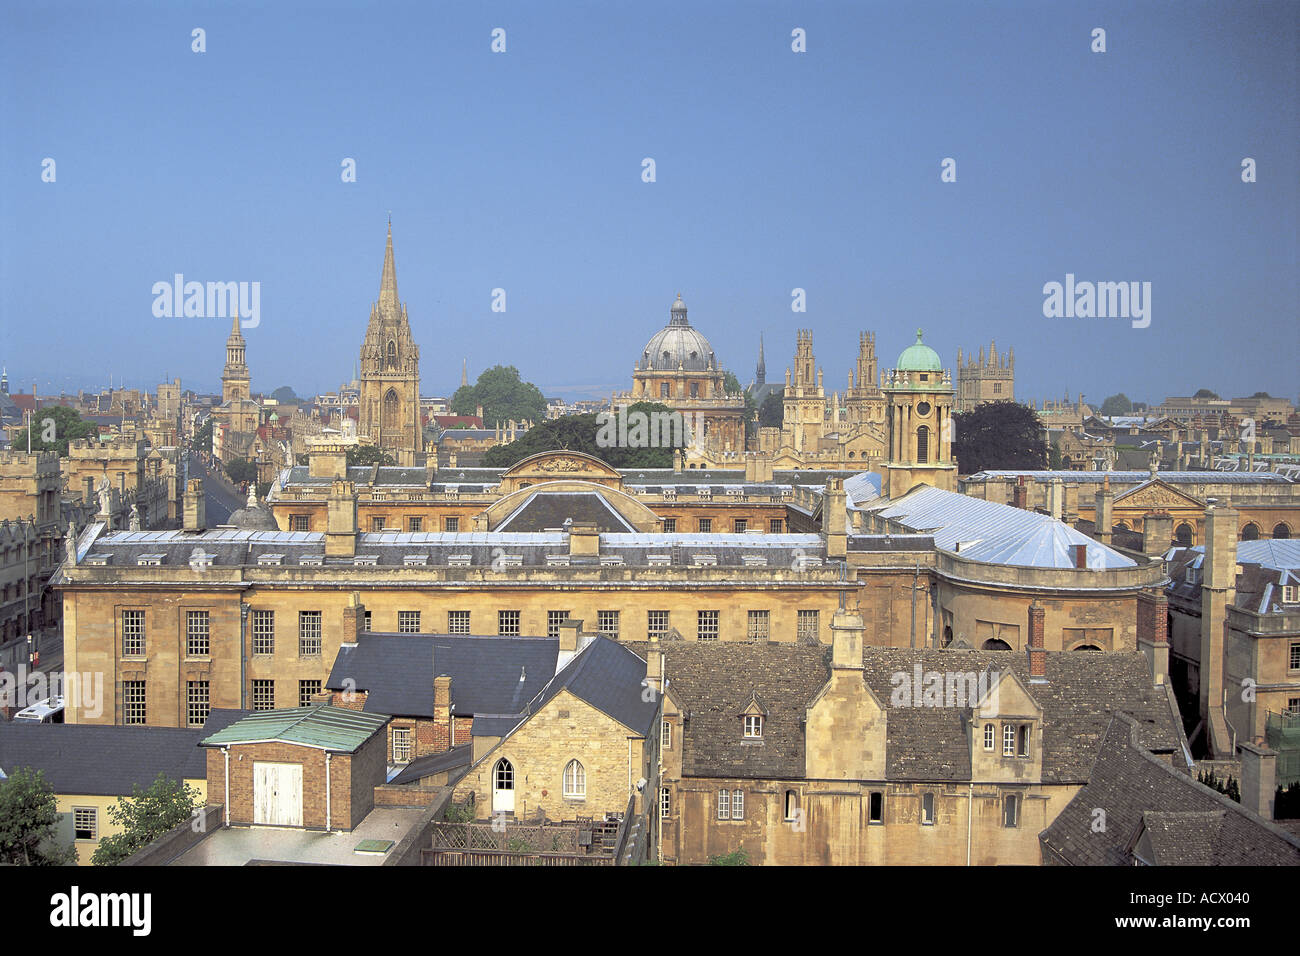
(970, 800)
(328, 821)
(243, 655)
(226, 751)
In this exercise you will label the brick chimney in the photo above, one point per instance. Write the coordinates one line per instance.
(1258, 779)
(444, 737)
(341, 520)
(1157, 533)
(1037, 648)
(1079, 552)
(1020, 494)
(196, 509)
(354, 619)
(1153, 632)
(1218, 590)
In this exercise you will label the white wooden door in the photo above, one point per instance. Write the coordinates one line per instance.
(503, 787)
(277, 794)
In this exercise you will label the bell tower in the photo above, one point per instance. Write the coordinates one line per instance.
(919, 398)
(390, 370)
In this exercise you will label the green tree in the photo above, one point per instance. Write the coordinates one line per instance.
(772, 412)
(580, 433)
(1205, 393)
(734, 858)
(1261, 395)
(53, 427)
(240, 470)
(28, 816)
(998, 435)
(1053, 457)
(732, 386)
(503, 395)
(1117, 405)
(368, 455)
(144, 817)
(285, 395)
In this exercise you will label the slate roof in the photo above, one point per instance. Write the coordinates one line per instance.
(1122, 477)
(426, 766)
(397, 671)
(1189, 824)
(551, 509)
(715, 682)
(608, 676)
(101, 759)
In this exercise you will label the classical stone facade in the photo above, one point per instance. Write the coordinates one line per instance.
(919, 394)
(390, 370)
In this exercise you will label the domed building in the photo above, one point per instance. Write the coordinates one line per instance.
(919, 398)
(253, 517)
(678, 368)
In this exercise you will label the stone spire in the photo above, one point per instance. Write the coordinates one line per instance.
(388, 284)
(761, 371)
(464, 373)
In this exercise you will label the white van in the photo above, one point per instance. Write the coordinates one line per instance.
(48, 711)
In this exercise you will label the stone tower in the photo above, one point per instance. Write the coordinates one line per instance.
(919, 395)
(805, 400)
(390, 370)
(864, 402)
(982, 380)
(235, 380)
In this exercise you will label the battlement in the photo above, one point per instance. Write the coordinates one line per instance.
(113, 447)
(29, 464)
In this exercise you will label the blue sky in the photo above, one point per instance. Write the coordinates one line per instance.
(775, 170)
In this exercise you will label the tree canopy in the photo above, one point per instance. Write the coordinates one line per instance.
(771, 414)
(144, 817)
(1117, 405)
(28, 816)
(998, 435)
(53, 427)
(503, 395)
(1205, 393)
(368, 455)
(285, 395)
(580, 433)
(240, 470)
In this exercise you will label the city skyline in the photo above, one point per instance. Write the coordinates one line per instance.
(775, 170)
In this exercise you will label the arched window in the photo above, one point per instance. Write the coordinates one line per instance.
(1184, 535)
(792, 805)
(391, 361)
(993, 644)
(575, 780)
(1087, 647)
(1281, 531)
(392, 411)
(1121, 525)
(1250, 532)
(923, 444)
(947, 634)
(504, 775)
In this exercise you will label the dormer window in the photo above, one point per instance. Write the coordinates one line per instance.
(753, 726)
(1015, 739)
(1289, 595)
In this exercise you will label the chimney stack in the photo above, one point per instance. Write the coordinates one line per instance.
(654, 666)
(196, 511)
(835, 518)
(1037, 647)
(1218, 590)
(1080, 554)
(1020, 495)
(569, 630)
(584, 538)
(341, 520)
(354, 619)
(847, 631)
(1258, 779)
(1157, 533)
(1056, 498)
(1105, 503)
(1153, 633)
(442, 712)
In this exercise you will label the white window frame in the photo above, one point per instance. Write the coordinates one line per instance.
(401, 745)
(405, 620)
(311, 628)
(738, 804)
(990, 737)
(665, 735)
(509, 623)
(575, 780)
(263, 630)
(724, 804)
(708, 626)
(665, 803)
(133, 633)
(81, 813)
(927, 812)
(753, 726)
(198, 634)
(1008, 740)
(458, 622)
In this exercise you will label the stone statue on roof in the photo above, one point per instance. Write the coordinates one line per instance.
(104, 490)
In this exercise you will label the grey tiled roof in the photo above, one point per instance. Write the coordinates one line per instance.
(713, 683)
(458, 756)
(608, 676)
(397, 670)
(546, 510)
(101, 759)
(1189, 824)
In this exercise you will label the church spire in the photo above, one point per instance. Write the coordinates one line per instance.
(388, 284)
(464, 373)
(761, 371)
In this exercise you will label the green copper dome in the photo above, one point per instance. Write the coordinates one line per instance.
(919, 358)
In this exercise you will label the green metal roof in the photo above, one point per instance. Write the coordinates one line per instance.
(321, 726)
(919, 357)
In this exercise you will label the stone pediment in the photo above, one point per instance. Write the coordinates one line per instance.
(1155, 494)
(559, 465)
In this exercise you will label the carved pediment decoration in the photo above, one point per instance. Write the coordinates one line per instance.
(1157, 495)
